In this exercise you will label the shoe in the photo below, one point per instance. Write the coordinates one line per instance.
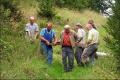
(69, 70)
(66, 71)
(81, 65)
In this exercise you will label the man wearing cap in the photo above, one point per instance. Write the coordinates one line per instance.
(92, 45)
(68, 38)
(32, 29)
(80, 44)
(47, 37)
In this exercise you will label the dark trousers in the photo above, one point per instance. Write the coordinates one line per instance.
(68, 57)
(90, 53)
(78, 53)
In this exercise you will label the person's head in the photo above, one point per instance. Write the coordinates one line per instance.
(32, 19)
(91, 22)
(78, 25)
(89, 26)
(67, 28)
(49, 26)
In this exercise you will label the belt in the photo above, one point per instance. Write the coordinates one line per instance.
(67, 46)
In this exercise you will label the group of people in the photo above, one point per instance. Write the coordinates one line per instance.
(73, 42)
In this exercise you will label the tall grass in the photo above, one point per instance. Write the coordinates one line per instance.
(26, 62)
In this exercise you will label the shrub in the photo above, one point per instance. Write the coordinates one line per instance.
(46, 8)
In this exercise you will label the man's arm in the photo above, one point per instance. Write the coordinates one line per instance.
(55, 40)
(89, 38)
(36, 34)
(36, 31)
(26, 30)
(80, 36)
(75, 36)
(42, 38)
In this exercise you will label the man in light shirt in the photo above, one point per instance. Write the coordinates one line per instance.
(92, 23)
(80, 45)
(31, 29)
(92, 44)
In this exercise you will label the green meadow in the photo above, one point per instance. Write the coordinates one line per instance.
(25, 61)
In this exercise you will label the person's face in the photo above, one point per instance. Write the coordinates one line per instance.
(88, 26)
(77, 26)
(67, 30)
(32, 21)
(49, 26)
(91, 22)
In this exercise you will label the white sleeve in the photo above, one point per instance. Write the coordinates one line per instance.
(79, 34)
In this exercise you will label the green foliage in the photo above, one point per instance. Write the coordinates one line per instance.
(100, 5)
(60, 3)
(43, 23)
(21, 60)
(96, 5)
(11, 6)
(114, 29)
(46, 8)
(9, 15)
(73, 4)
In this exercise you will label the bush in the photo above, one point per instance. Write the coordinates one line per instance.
(114, 29)
(46, 8)
(9, 16)
(60, 3)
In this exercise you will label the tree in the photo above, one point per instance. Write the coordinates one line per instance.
(46, 8)
(96, 5)
(100, 5)
(114, 29)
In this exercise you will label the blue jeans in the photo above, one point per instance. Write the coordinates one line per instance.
(47, 51)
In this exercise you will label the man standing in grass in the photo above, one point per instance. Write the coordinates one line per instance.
(80, 44)
(68, 43)
(47, 37)
(92, 44)
(93, 25)
(31, 29)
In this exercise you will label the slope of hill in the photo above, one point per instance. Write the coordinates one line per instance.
(26, 62)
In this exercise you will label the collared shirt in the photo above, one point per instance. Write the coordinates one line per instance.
(31, 29)
(81, 34)
(47, 35)
(66, 39)
(93, 36)
(73, 37)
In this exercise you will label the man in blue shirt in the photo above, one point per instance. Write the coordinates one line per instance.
(48, 38)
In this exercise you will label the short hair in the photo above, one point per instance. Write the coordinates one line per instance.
(91, 21)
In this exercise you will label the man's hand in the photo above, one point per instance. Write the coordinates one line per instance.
(47, 43)
(57, 42)
(77, 43)
(54, 43)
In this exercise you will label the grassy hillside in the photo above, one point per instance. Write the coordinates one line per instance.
(26, 62)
